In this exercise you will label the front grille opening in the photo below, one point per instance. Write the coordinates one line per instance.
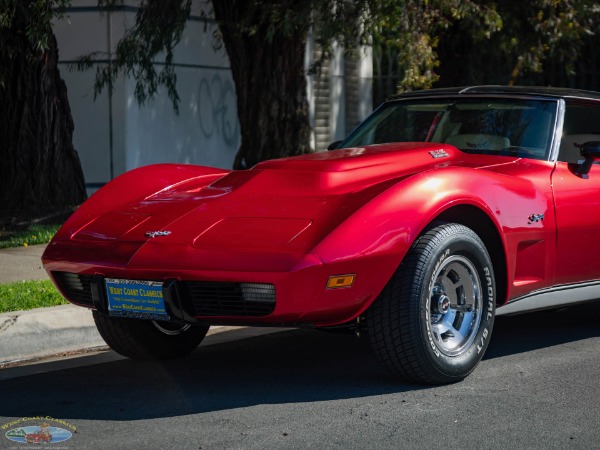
(208, 298)
(258, 292)
(76, 287)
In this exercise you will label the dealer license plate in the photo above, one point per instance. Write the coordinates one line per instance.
(137, 299)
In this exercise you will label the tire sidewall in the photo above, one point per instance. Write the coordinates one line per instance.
(168, 345)
(470, 247)
(141, 339)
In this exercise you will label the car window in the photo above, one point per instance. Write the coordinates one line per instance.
(581, 125)
(492, 126)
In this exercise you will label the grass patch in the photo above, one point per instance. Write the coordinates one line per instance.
(25, 295)
(34, 234)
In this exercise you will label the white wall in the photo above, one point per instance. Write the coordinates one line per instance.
(113, 134)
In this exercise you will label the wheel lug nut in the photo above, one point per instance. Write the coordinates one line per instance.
(443, 304)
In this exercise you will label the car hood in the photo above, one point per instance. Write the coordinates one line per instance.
(280, 206)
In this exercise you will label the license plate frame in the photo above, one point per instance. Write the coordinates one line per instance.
(136, 299)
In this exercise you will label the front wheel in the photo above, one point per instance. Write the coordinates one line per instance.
(148, 339)
(433, 321)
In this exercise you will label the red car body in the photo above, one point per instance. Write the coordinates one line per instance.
(36, 438)
(328, 231)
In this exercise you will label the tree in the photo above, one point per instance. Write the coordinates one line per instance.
(273, 72)
(408, 36)
(533, 34)
(40, 169)
(266, 41)
(555, 29)
(412, 30)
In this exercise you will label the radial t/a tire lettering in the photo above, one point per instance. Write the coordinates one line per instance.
(146, 339)
(433, 321)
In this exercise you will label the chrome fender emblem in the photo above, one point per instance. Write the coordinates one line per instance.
(153, 234)
(435, 154)
(533, 218)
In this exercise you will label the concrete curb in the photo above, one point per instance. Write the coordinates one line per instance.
(26, 335)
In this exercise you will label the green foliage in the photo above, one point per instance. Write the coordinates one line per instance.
(25, 295)
(34, 234)
(159, 25)
(541, 41)
(411, 30)
(541, 29)
(29, 18)
(408, 26)
(277, 18)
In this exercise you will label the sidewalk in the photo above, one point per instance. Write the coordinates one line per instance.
(45, 332)
(38, 333)
(27, 335)
(22, 263)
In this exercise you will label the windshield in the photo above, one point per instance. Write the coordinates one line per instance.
(481, 125)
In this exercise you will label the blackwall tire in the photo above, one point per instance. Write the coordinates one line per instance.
(433, 321)
(146, 339)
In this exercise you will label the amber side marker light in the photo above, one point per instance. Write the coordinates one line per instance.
(340, 281)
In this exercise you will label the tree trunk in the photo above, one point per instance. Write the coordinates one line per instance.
(272, 70)
(40, 170)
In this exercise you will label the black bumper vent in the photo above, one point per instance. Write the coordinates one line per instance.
(228, 299)
(76, 287)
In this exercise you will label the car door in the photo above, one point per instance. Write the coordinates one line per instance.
(577, 199)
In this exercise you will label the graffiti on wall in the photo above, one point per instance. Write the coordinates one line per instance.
(218, 112)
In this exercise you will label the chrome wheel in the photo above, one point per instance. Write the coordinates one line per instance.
(433, 321)
(455, 306)
(170, 328)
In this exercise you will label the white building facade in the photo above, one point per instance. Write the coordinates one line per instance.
(114, 134)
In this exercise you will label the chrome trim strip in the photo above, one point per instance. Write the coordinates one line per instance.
(558, 131)
(554, 297)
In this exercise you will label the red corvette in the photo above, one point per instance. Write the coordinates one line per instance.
(443, 209)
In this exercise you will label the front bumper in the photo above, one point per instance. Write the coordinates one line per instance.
(204, 288)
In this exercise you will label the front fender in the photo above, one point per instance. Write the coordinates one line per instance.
(383, 230)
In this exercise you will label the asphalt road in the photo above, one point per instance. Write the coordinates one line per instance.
(538, 387)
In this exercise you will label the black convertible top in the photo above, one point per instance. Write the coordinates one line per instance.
(557, 92)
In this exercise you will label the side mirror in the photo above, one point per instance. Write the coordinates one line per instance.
(334, 145)
(591, 152)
